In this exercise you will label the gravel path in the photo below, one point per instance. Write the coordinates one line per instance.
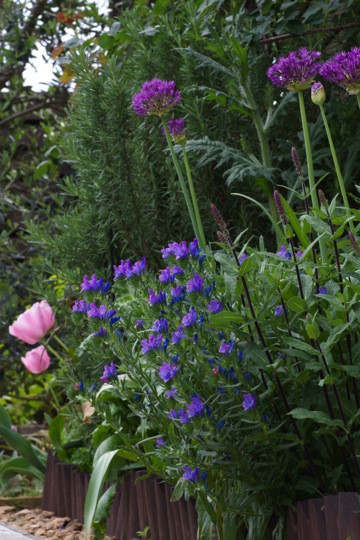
(43, 524)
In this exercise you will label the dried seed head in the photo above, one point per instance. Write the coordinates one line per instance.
(323, 199)
(280, 208)
(222, 237)
(296, 161)
(219, 220)
(354, 244)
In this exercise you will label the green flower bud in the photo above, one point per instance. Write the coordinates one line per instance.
(318, 95)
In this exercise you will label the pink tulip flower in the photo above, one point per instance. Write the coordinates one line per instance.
(37, 360)
(32, 325)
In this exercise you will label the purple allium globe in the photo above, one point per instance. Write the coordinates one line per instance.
(176, 128)
(344, 69)
(295, 71)
(156, 97)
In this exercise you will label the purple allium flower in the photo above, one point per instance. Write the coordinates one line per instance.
(284, 253)
(215, 306)
(156, 97)
(344, 69)
(93, 284)
(100, 312)
(322, 290)
(167, 371)
(295, 71)
(226, 348)
(110, 372)
(195, 408)
(249, 402)
(80, 306)
(170, 394)
(195, 284)
(176, 128)
(153, 343)
(155, 299)
(191, 476)
(172, 414)
(161, 325)
(278, 311)
(178, 335)
(318, 95)
(160, 442)
(190, 318)
(183, 416)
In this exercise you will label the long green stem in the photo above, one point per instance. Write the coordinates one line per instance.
(60, 342)
(337, 168)
(53, 352)
(265, 149)
(310, 167)
(202, 240)
(358, 99)
(181, 179)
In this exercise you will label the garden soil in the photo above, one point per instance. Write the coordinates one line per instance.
(43, 524)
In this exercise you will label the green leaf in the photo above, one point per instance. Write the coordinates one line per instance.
(312, 330)
(160, 6)
(19, 465)
(4, 418)
(224, 318)
(95, 487)
(302, 345)
(178, 490)
(23, 447)
(295, 303)
(104, 505)
(317, 416)
(55, 430)
(295, 223)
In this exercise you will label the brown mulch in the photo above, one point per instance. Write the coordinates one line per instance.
(44, 524)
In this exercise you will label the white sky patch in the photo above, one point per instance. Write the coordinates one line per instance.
(40, 71)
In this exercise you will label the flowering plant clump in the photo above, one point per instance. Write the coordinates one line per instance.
(234, 373)
(240, 370)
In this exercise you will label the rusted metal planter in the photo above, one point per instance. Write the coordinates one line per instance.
(136, 504)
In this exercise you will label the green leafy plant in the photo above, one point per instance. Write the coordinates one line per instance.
(29, 459)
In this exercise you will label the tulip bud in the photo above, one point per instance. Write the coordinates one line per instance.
(37, 360)
(34, 323)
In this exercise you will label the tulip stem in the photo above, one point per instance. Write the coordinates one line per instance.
(47, 346)
(60, 342)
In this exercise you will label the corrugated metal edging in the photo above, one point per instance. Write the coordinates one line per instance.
(137, 503)
(334, 517)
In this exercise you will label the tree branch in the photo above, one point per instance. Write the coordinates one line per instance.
(308, 32)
